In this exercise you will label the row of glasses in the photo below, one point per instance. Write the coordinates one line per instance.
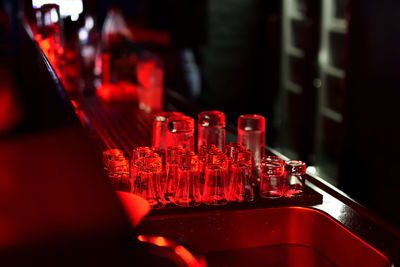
(227, 176)
(280, 178)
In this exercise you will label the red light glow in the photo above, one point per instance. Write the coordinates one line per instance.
(186, 256)
(135, 206)
(156, 240)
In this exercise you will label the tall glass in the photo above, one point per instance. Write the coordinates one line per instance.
(211, 129)
(160, 129)
(180, 132)
(216, 191)
(251, 134)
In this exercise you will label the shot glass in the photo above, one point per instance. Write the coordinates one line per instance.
(216, 191)
(211, 129)
(272, 177)
(160, 129)
(138, 154)
(231, 152)
(295, 178)
(111, 154)
(116, 166)
(204, 150)
(251, 134)
(180, 132)
(150, 187)
(172, 172)
(240, 185)
(188, 189)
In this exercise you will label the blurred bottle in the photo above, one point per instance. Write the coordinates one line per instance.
(115, 36)
(150, 76)
(72, 74)
(116, 64)
(89, 41)
(49, 36)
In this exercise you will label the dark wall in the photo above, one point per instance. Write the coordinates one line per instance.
(371, 153)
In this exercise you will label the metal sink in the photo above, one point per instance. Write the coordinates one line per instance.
(281, 236)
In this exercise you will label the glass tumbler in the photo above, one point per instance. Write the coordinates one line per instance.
(138, 154)
(202, 156)
(188, 189)
(150, 187)
(211, 129)
(172, 172)
(295, 178)
(251, 134)
(116, 166)
(180, 132)
(240, 185)
(160, 129)
(272, 177)
(216, 191)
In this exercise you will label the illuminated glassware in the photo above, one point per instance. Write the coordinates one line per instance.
(231, 151)
(251, 134)
(272, 177)
(232, 148)
(202, 155)
(188, 189)
(150, 186)
(180, 132)
(136, 165)
(216, 191)
(211, 129)
(111, 154)
(116, 166)
(160, 129)
(240, 185)
(295, 177)
(172, 172)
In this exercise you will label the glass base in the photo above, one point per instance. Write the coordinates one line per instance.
(271, 194)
